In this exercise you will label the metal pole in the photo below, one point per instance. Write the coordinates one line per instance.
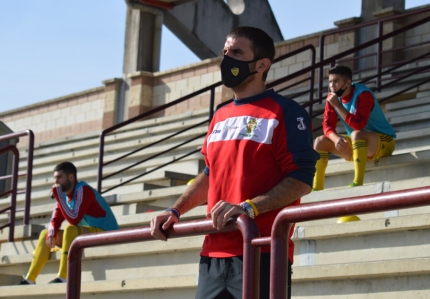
(29, 178)
(379, 57)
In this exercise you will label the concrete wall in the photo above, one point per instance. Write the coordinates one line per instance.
(66, 116)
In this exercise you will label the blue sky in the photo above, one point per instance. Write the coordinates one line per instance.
(51, 48)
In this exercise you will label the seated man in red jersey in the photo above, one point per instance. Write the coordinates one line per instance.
(85, 210)
(259, 159)
(369, 135)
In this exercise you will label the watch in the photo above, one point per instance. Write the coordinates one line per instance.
(248, 209)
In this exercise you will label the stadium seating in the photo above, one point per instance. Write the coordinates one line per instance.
(384, 255)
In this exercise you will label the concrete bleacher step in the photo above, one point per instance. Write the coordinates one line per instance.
(421, 99)
(160, 178)
(414, 161)
(398, 279)
(115, 151)
(368, 189)
(142, 135)
(181, 286)
(22, 232)
(408, 111)
(123, 206)
(131, 127)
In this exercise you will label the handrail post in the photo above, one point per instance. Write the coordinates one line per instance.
(211, 104)
(29, 177)
(321, 68)
(311, 83)
(100, 165)
(379, 57)
(251, 258)
(14, 186)
(279, 266)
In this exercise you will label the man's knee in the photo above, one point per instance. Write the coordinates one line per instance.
(42, 235)
(359, 135)
(321, 143)
(71, 230)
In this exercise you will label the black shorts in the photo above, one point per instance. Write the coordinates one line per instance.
(221, 278)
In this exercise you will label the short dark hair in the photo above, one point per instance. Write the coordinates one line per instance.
(67, 168)
(341, 70)
(261, 43)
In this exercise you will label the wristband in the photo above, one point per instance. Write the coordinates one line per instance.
(174, 212)
(253, 206)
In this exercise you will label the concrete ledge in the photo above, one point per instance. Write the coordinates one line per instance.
(106, 286)
(364, 270)
(22, 232)
(22, 252)
(420, 155)
(363, 227)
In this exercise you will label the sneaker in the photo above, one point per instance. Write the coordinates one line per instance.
(57, 280)
(353, 184)
(25, 282)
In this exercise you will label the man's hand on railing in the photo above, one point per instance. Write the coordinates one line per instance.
(163, 221)
(222, 212)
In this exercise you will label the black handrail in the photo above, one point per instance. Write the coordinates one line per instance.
(369, 43)
(12, 191)
(29, 170)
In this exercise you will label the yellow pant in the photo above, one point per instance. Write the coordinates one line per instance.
(42, 251)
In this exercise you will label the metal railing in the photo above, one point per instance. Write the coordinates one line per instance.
(377, 41)
(28, 173)
(252, 242)
(321, 210)
(12, 191)
(248, 228)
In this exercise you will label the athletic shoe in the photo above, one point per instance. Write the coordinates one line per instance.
(57, 280)
(353, 184)
(24, 282)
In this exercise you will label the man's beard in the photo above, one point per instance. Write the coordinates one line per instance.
(243, 85)
(66, 186)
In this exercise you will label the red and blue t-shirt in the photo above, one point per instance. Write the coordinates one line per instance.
(253, 144)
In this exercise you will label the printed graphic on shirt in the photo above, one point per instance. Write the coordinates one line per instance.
(244, 128)
(301, 125)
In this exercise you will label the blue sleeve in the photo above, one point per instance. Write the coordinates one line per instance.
(297, 156)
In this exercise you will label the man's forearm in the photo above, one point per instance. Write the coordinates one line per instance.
(194, 196)
(283, 194)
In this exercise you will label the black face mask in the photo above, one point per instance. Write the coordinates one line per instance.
(234, 72)
(339, 92)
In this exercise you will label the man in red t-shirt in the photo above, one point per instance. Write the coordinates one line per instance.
(259, 159)
(85, 210)
(369, 135)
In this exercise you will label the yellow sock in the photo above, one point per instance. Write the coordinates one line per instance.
(70, 233)
(359, 156)
(320, 172)
(40, 257)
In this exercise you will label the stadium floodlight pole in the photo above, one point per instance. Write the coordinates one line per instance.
(247, 226)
